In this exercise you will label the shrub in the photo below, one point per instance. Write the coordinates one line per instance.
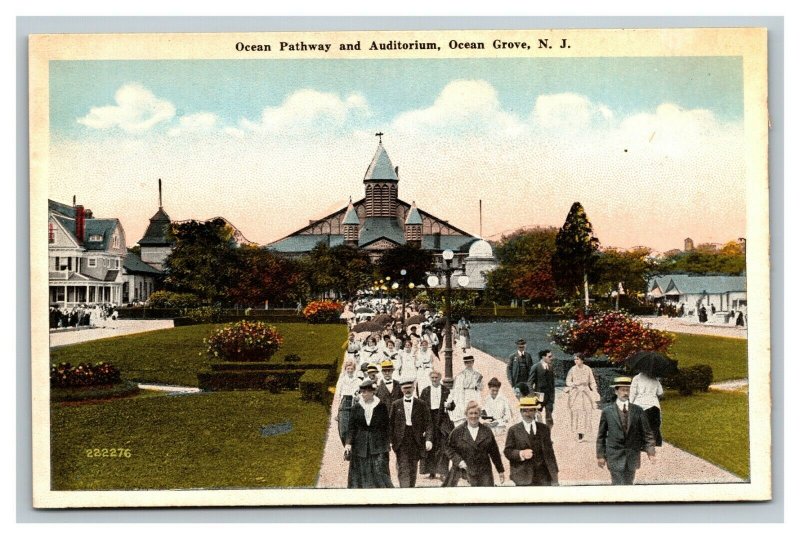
(615, 334)
(272, 384)
(291, 358)
(244, 341)
(690, 379)
(313, 385)
(172, 300)
(84, 375)
(204, 315)
(323, 312)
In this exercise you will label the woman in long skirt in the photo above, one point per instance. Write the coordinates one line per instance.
(646, 392)
(367, 442)
(463, 334)
(583, 396)
(347, 391)
(424, 364)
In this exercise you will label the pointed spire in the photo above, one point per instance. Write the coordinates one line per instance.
(350, 216)
(381, 168)
(160, 205)
(413, 217)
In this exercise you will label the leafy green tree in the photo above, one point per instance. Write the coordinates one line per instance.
(318, 267)
(352, 270)
(730, 260)
(414, 260)
(576, 252)
(203, 261)
(524, 268)
(633, 268)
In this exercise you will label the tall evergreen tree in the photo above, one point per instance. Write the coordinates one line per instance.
(576, 251)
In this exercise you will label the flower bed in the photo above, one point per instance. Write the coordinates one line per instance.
(615, 334)
(65, 375)
(323, 312)
(244, 341)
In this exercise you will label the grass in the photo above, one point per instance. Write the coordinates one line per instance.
(174, 356)
(726, 356)
(713, 426)
(206, 440)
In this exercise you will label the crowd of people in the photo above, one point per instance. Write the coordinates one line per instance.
(392, 399)
(62, 317)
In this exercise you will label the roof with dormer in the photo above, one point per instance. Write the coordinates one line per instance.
(98, 232)
(381, 169)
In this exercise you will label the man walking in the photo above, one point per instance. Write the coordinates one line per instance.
(623, 433)
(542, 380)
(519, 367)
(434, 398)
(410, 433)
(388, 389)
(529, 448)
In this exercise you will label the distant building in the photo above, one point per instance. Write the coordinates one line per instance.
(139, 279)
(382, 221)
(724, 292)
(85, 256)
(688, 244)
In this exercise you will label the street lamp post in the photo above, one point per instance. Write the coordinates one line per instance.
(447, 271)
(403, 273)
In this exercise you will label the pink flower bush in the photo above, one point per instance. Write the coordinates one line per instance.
(323, 312)
(244, 341)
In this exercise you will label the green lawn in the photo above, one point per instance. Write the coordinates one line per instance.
(174, 356)
(713, 426)
(206, 440)
(726, 356)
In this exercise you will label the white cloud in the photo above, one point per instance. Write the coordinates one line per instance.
(137, 110)
(200, 122)
(309, 109)
(568, 111)
(463, 105)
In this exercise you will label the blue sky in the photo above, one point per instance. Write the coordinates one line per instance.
(652, 147)
(241, 89)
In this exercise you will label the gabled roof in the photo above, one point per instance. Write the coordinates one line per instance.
(158, 231)
(63, 209)
(381, 167)
(413, 217)
(93, 227)
(134, 264)
(698, 284)
(380, 227)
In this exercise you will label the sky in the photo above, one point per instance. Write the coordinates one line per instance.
(652, 147)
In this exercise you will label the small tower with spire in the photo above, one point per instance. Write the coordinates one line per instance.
(157, 242)
(380, 185)
(413, 226)
(350, 225)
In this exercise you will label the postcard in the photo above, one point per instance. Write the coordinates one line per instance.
(406, 267)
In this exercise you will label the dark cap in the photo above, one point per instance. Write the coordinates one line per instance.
(521, 341)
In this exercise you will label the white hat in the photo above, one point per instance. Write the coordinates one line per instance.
(405, 380)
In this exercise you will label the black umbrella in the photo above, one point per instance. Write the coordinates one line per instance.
(382, 319)
(653, 364)
(367, 326)
(364, 310)
(416, 319)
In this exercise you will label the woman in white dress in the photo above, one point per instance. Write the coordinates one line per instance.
(424, 365)
(347, 390)
(582, 396)
(467, 387)
(353, 347)
(408, 368)
(370, 352)
(645, 393)
(463, 334)
(496, 409)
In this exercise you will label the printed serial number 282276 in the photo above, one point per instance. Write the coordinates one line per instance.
(108, 453)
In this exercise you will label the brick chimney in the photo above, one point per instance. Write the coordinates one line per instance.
(80, 224)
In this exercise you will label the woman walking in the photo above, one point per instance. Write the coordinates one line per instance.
(473, 449)
(583, 396)
(645, 393)
(367, 442)
(347, 389)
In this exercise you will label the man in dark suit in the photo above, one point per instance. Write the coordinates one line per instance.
(519, 367)
(624, 432)
(388, 389)
(542, 380)
(434, 398)
(410, 433)
(529, 448)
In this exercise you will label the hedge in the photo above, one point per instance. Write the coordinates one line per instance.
(314, 385)
(114, 391)
(690, 379)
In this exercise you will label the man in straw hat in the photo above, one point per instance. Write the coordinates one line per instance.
(388, 390)
(411, 433)
(529, 448)
(623, 433)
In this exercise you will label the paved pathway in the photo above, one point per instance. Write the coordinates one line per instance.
(688, 325)
(114, 328)
(576, 460)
